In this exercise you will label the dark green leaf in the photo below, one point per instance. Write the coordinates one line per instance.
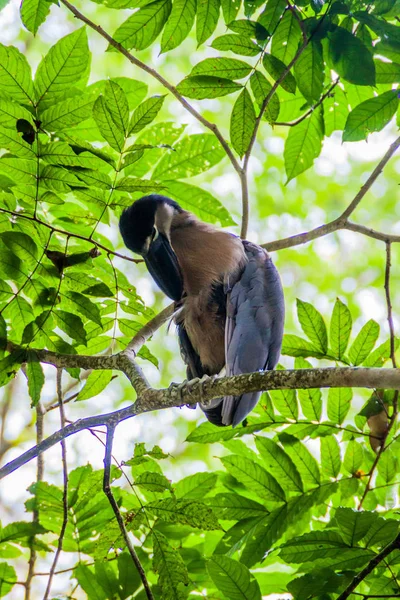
(232, 578)
(387, 72)
(235, 506)
(185, 512)
(276, 68)
(353, 525)
(71, 324)
(309, 72)
(353, 457)
(279, 464)
(195, 486)
(312, 546)
(254, 477)
(243, 121)
(117, 104)
(273, 11)
(154, 482)
(200, 202)
(294, 345)
(302, 458)
(371, 115)
(310, 400)
(349, 57)
(107, 126)
(285, 40)
(230, 9)
(172, 572)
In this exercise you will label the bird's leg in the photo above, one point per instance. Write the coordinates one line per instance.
(177, 388)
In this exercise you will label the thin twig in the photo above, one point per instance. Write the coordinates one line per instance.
(369, 568)
(108, 492)
(389, 305)
(310, 110)
(342, 221)
(150, 328)
(65, 486)
(35, 518)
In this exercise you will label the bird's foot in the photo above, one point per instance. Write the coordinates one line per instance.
(178, 388)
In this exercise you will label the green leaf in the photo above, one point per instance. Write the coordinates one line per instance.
(185, 512)
(285, 401)
(254, 477)
(350, 58)
(387, 466)
(89, 582)
(273, 11)
(34, 13)
(67, 113)
(336, 111)
(330, 456)
(311, 399)
(364, 342)
(179, 24)
(302, 458)
(236, 507)
(309, 72)
(279, 464)
(353, 457)
(339, 402)
(293, 345)
(353, 524)
(12, 140)
(22, 246)
(286, 38)
(84, 306)
(207, 19)
(71, 324)
(243, 121)
(117, 104)
(303, 144)
(387, 31)
(145, 113)
(378, 357)
(141, 29)
(129, 579)
(230, 9)
(313, 325)
(371, 115)
(276, 68)
(232, 578)
(261, 88)
(35, 375)
(107, 126)
(231, 68)
(63, 66)
(172, 572)
(237, 44)
(15, 76)
(154, 482)
(96, 382)
(195, 486)
(387, 72)
(20, 313)
(200, 202)
(205, 86)
(340, 328)
(192, 155)
(8, 578)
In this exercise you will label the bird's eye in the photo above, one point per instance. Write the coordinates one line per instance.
(154, 234)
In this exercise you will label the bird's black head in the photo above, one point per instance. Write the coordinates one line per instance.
(145, 228)
(137, 223)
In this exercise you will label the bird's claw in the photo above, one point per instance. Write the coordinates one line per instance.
(189, 385)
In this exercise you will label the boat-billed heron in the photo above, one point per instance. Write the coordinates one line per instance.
(232, 306)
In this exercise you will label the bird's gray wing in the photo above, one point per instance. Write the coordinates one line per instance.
(254, 327)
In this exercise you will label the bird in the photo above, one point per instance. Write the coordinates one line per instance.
(228, 294)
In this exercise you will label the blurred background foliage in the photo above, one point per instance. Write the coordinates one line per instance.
(343, 264)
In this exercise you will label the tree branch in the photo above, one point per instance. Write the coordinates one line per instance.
(369, 568)
(150, 399)
(108, 492)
